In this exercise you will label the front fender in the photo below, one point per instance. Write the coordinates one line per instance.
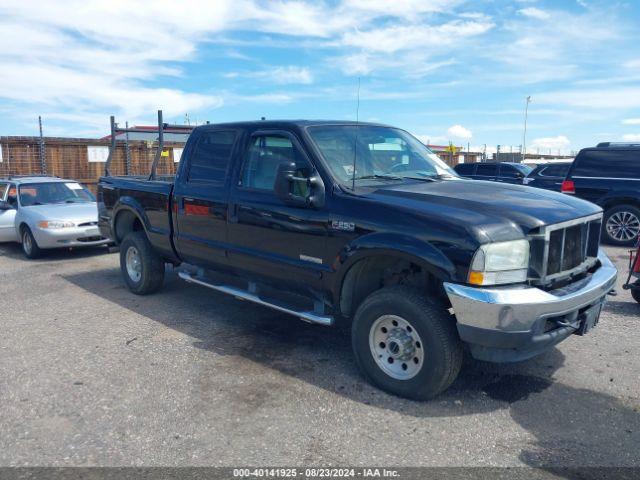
(424, 254)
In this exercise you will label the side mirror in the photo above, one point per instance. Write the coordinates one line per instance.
(5, 205)
(298, 191)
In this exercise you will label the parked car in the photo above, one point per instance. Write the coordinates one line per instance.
(548, 175)
(609, 176)
(361, 223)
(45, 212)
(505, 172)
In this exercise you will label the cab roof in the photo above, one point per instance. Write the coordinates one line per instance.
(21, 179)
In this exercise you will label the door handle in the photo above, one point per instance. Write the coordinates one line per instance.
(233, 213)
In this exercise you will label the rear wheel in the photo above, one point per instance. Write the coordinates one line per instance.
(635, 293)
(142, 268)
(622, 225)
(29, 245)
(406, 345)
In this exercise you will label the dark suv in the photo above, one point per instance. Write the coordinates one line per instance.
(548, 175)
(609, 175)
(495, 172)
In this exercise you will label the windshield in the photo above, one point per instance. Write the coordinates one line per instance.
(54, 192)
(525, 169)
(378, 153)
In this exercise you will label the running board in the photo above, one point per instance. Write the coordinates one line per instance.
(312, 317)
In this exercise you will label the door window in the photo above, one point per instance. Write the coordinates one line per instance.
(555, 171)
(3, 190)
(210, 157)
(601, 163)
(508, 171)
(265, 155)
(487, 169)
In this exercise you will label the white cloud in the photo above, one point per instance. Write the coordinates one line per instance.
(560, 142)
(631, 121)
(459, 132)
(534, 12)
(631, 137)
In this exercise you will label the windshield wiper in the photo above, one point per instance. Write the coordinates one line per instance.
(379, 177)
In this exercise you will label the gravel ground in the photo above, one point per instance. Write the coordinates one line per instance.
(91, 374)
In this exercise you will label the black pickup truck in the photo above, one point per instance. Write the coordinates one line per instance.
(361, 224)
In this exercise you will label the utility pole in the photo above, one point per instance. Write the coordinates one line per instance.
(43, 161)
(524, 134)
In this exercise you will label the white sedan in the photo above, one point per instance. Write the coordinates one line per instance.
(47, 212)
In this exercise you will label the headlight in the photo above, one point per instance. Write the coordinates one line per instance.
(53, 224)
(500, 263)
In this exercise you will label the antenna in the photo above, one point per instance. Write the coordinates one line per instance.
(355, 140)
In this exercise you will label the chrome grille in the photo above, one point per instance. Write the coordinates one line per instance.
(565, 249)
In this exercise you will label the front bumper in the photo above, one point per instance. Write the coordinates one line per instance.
(504, 324)
(69, 237)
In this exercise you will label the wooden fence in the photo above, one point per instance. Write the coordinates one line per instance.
(68, 158)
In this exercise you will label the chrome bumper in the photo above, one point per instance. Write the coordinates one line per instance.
(512, 317)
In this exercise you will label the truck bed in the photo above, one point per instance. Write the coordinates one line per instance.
(151, 199)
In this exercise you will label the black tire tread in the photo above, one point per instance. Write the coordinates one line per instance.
(36, 251)
(152, 264)
(635, 293)
(443, 325)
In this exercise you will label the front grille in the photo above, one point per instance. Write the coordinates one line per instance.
(90, 239)
(564, 250)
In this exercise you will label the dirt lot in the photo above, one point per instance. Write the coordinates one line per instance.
(93, 375)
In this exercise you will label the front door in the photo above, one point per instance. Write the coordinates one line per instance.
(281, 243)
(7, 217)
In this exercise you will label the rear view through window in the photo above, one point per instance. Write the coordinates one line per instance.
(211, 156)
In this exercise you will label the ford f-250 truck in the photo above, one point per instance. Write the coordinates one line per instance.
(361, 223)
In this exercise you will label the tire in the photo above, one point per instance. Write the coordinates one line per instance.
(627, 216)
(142, 268)
(30, 247)
(635, 293)
(422, 367)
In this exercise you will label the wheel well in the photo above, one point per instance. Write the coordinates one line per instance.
(376, 272)
(125, 223)
(614, 202)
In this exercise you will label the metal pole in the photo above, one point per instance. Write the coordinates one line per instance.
(43, 161)
(524, 134)
(127, 165)
(154, 165)
(112, 148)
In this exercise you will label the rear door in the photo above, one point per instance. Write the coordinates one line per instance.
(7, 217)
(268, 238)
(200, 199)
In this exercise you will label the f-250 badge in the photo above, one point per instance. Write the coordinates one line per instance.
(343, 226)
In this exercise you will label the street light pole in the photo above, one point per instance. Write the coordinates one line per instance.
(524, 135)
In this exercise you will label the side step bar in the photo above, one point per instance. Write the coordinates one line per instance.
(312, 317)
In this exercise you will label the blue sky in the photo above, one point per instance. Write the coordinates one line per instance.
(446, 70)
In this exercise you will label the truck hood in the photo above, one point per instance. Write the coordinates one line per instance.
(494, 211)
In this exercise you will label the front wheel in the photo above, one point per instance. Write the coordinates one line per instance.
(622, 225)
(30, 247)
(142, 268)
(406, 345)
